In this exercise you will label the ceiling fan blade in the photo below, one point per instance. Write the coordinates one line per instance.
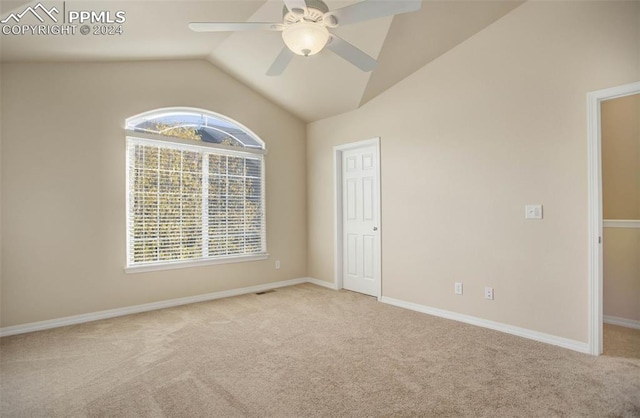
(281, 62)
(352, 54)
(295, 4)
(373, 9)
(233, 27)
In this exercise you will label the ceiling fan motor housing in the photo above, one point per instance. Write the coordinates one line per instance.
(315, 11)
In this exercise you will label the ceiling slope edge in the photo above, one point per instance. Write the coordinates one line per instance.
(416, 39)
(246, 84)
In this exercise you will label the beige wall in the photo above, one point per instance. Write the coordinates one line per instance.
(621, 281)
(63, 185)
(621, 158)
(621, 200)
(466, 142)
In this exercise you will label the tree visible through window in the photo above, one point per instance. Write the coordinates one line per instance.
(195, 189)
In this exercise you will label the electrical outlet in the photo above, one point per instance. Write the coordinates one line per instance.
(458, 288)
(488, 293)
(277, 264)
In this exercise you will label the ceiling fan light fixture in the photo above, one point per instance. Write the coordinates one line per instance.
(305, 38)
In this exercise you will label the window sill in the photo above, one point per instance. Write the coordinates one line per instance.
(193, 263)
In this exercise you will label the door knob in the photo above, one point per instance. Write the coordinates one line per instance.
(375, 228)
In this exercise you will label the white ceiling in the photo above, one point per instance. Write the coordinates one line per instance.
(312, 88)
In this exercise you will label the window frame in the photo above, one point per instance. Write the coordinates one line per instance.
(219, 149)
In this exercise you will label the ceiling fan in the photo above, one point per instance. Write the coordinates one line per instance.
(305, 28)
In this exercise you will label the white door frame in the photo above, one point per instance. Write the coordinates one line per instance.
(594, 155)
(337, 189)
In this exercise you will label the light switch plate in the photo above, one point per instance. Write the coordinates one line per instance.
(533, 212)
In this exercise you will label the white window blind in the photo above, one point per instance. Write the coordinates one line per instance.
(189, 202)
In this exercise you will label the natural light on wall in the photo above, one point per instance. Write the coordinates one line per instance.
(195, 190)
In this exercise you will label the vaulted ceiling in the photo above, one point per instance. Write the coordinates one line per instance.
(312, 88)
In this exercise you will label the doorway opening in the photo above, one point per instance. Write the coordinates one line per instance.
(595, 213)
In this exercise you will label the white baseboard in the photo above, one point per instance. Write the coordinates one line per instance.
(497, 326)
(322, 283)
(623, 322)
(112, 313)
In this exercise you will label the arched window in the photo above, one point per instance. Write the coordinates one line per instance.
(195, 190)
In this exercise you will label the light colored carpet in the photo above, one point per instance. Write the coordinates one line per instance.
(303, 351)
(621, 341)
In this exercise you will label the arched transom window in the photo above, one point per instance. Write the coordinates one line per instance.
(195, 190)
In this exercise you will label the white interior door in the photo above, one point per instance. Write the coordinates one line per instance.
(360, 215)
